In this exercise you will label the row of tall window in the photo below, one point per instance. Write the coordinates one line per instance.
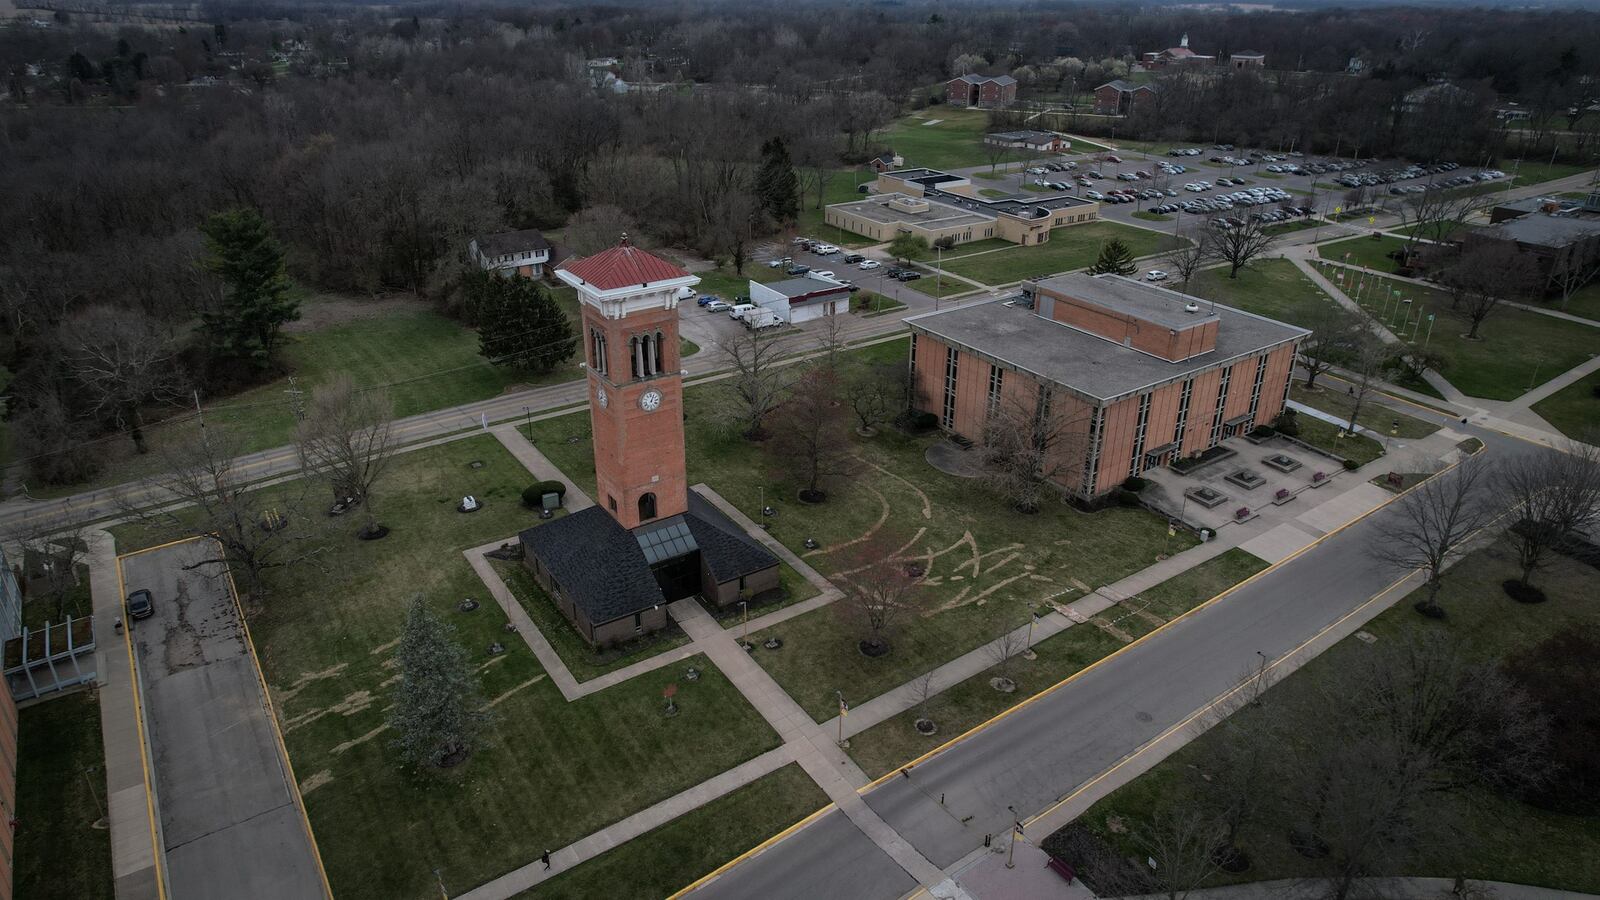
(949, 417)
(1222, 402)
(646, 354)
(1136, 463)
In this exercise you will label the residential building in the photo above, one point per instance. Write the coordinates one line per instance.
(802, 299)
(936, 205)
(987, 91)
(1132, 376)
(1121, 98)
(1562, 243)
(1030, 141)
(612, 568)
(1177, 56)
(886, 161)
(1247, 59)
(522, 252)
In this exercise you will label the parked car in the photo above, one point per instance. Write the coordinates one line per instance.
(869, 264)
(718, 306)
(797, 270)
(853, 258)
(1155, 275)
(908, 275)
(707, 299)
(825, 273)
(141, 605)
(740, 310)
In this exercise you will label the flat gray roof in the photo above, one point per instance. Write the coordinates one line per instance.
(1545, 230)
(939, 213)
(1087, 364)
(1143, 301)
(800, 287)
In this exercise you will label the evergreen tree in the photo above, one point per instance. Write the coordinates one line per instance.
(519, 323)
(777, 186)
(255, 303)
(81, 68)
(437, 709)
(1115, 259)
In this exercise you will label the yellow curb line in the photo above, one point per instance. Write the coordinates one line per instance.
(753, 851)
(1089, 668)
(138, 715)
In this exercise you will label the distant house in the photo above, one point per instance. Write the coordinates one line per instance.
(1033, 141)
(802, 299)
(1119, 98)
(522, 252)
(1177, 56)
(1438, 92)
(1247, 59)
(886, 161)
(988, 91)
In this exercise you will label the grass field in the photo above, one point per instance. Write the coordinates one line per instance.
(1364, 251)
(1069, 248)
(1492, 836)
(841, 189)
(58, 853)
(1382, 419)
(1537, 172)
(935, 285)
(1275, 288)
(895, 741)
(1584, 302)
(954, 142)
(659, 862)
(547, 772)
(1327, 436)
(1575, 409)
(869, 303)
(1291, 226)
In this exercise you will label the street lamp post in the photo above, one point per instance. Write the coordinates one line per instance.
(1016, 829)
(744, 623)
(843, 710)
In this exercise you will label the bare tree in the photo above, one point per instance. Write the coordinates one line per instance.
(809, 433)
(1183, 843)
(52, 552)
(595, 228)
(872, 390)
(757, 384)
(1551, 496)
(347, 438)
(1364, 367)
(1004, 648)
(1030, 440)
(1429, 524)
(124, 359)
(1335, 333)
(255, 531)
(1494, 273)
(1189, 257)
(1573, 275)
(878, 591)
(1436, 213)
(1240, 246)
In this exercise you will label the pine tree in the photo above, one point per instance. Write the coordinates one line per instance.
(437, 709)
(519, 323)
(256, 302)
(777, 186)
(1115, 259)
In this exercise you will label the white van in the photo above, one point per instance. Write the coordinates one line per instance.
(741, 311)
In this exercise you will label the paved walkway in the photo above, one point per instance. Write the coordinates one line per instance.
(131, 805)
(512, 438)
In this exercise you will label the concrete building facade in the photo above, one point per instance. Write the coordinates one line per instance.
(935, 205)
(1130, 376)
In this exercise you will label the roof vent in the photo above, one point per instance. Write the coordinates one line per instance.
(1191, 307)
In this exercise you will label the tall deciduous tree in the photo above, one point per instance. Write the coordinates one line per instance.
(438, 712)
(1115, 259)
(347, 438)
(255, 302)
(1242, 245)
(1493, 275)
(776, 183)
(124, 359)
(1030, 439)
(810, 433)
(757, 384)
(1550, 496)
(519, 323)
(878, 590)
(1335, 332)
(1430, 523)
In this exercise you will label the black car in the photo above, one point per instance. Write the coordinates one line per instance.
(797, 270)
(894, 272)
(140, 605)
(909, 275)
(853, 258)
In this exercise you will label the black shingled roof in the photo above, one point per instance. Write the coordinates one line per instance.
(725, 548)
(597, 562)
(506, 243)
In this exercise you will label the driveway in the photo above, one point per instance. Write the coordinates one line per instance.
(231, 821)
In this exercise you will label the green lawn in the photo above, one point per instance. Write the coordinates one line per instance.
(724, 282)
(1382, 419)
(1364, 251)
(895, 741)
(1330, 437)
(1575, 409)
(869, 303)
(841, 189)
(1584, 302)
(932, 284)
(61, 794)
(1069, 248)
(1275, 288)
(1291, 226)
(979, 246)
(662, 861)
(1517, 349)
(428, 362)
(955, 142)
(1426, 230)
(548, 772)
(1494, 837)
(1537, 172)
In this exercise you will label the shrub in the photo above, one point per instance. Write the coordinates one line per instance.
(1126, 497)
(1561, 675)
(1351, 465)
(1522, 592)
(533, 495)
(921, 420)
(1288, 423)
(1265, 431)
(1134, 483)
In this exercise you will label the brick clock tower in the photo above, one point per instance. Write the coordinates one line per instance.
(629, 300)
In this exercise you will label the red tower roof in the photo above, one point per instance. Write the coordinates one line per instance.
(622, 266)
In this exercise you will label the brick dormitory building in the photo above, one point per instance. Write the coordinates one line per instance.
(1135, 376)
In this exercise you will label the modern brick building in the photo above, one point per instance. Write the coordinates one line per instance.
(1177, 56)
(612, 568)
(934, 205)
(988, 91)
(1121, 98)
(1133, 376)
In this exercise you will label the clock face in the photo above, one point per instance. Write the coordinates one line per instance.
(605, 400)
(650, 401)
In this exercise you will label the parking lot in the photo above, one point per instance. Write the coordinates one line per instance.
(230, 822)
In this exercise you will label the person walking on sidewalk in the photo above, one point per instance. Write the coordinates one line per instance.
(545, 858)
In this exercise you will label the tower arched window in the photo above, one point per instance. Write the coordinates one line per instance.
(661, 359)
(635, 357)
(647, 506)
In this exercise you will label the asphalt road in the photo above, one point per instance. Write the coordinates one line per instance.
(228, 818)
(1054, 746)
